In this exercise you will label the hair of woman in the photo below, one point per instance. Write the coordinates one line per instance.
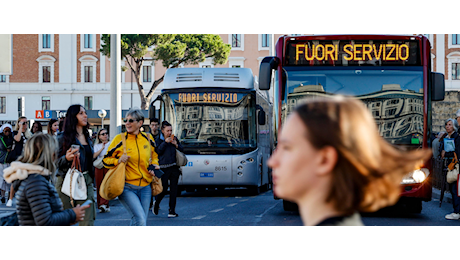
(39, 150)
(27, 134)
(165, 124)
(369, 170)
(454, 123)
(70, 127)
(135, 113)
(50, 126)
(98, 134)
(40, 128)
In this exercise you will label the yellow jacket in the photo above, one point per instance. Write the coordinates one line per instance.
(137, 147)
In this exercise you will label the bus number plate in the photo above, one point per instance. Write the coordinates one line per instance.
(206, 174)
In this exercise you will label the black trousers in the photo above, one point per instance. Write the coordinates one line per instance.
(172, 175)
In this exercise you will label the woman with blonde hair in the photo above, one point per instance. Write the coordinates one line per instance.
(333, 163)
(38, 203)
(100, 149)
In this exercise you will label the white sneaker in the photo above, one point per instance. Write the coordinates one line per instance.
(9, 203)
(454, 216)
(103, 209)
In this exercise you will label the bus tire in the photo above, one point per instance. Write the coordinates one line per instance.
(254, 190)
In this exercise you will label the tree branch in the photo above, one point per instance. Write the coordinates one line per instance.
(154, 86)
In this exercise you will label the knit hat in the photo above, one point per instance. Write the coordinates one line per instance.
(5, 126)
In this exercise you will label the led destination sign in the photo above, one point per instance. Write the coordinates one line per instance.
(208, 97)
(352, 53)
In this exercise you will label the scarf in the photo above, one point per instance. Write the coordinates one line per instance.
(20, 171)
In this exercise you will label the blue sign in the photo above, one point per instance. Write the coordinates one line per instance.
(206, 174)
(47, 114)
(190, 164)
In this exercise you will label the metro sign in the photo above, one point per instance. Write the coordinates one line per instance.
(43, 114)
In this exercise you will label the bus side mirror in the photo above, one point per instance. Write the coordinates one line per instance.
(265, 72)
(152, 111)
(438, 88)
(261, 117)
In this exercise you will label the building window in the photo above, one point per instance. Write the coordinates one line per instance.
(46, 103)
(455, 39)
(88, 73)
(88, 41)
(455, 70)
(89, 103)
(46, 69)
(2, 78)
(236, 66)
(265, 40)
(46, 74)
(2, 105)
(147, 73)
(206, 66)
(236, 40)
(46, 43)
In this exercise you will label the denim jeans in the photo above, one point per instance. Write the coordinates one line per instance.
(136, 200)
(455, 198)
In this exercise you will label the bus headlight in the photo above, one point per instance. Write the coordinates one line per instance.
(417, 176)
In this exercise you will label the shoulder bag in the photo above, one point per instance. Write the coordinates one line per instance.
(98, 162)
(453, 170)
(113, 183)
(74, 184)
(181, 159)
(156, 185)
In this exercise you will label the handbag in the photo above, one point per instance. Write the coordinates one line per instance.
(156, 185)
(453, 163)
(181, 159)
(452, 172)
(74, 184)
(98, 163)
(113, 183)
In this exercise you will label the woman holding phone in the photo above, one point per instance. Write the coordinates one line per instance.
(166, 149)
(76, 141)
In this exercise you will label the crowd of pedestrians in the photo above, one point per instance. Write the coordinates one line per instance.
(32, 160)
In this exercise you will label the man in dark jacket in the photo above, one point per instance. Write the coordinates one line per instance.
(166, 150)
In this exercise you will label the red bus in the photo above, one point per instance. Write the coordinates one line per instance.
(391, 74)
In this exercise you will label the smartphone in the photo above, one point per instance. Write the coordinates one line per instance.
(76, 146)
(172, 136)
(86, 203)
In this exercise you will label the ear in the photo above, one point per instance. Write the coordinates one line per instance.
(328, 159)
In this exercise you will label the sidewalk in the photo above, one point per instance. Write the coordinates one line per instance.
(437, 195)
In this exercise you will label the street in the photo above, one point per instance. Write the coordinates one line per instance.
(236, 207)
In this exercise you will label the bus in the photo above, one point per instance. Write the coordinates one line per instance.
(222, 121)
(391, 74)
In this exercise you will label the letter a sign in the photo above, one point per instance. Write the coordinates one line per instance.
(39, 114)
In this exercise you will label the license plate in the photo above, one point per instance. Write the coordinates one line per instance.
(206, 174)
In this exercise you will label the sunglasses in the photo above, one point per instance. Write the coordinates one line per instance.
(103, 134)
(130, 120)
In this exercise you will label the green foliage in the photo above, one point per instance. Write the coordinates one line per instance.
(172, 49)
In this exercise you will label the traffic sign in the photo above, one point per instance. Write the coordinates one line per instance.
(39, 114)
(47, 114)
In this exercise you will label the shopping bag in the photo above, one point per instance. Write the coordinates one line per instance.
(74, 184)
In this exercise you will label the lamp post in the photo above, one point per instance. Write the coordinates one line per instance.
(102, 113)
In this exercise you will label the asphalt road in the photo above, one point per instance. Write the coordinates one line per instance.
(237, 207)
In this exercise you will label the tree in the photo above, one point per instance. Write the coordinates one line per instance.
(172, 49)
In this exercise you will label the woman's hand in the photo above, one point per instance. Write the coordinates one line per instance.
(168, 140)
(124, 158)
(152, 173)
(174, 142)
(71, 153)
(80, 212)
(442, 154)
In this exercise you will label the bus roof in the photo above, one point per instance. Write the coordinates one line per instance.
(208, 77)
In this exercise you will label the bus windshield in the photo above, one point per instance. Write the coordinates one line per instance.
(393, 95)
(223, 124)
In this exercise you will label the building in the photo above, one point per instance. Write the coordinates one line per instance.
(51, 72)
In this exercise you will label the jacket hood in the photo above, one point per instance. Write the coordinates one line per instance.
(20, 171)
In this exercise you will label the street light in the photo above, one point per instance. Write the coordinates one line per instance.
(102, 113)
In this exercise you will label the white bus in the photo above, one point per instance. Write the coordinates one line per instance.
(225, 125)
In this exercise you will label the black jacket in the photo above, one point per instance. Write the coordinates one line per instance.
(63, 165)
(167, 152)
(38, 204)
(6, 148)
(456, 138)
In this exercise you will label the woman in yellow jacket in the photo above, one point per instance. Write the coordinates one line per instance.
(137, 193)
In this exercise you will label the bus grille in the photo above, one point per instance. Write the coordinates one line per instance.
(189, 77)
(226, 77)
